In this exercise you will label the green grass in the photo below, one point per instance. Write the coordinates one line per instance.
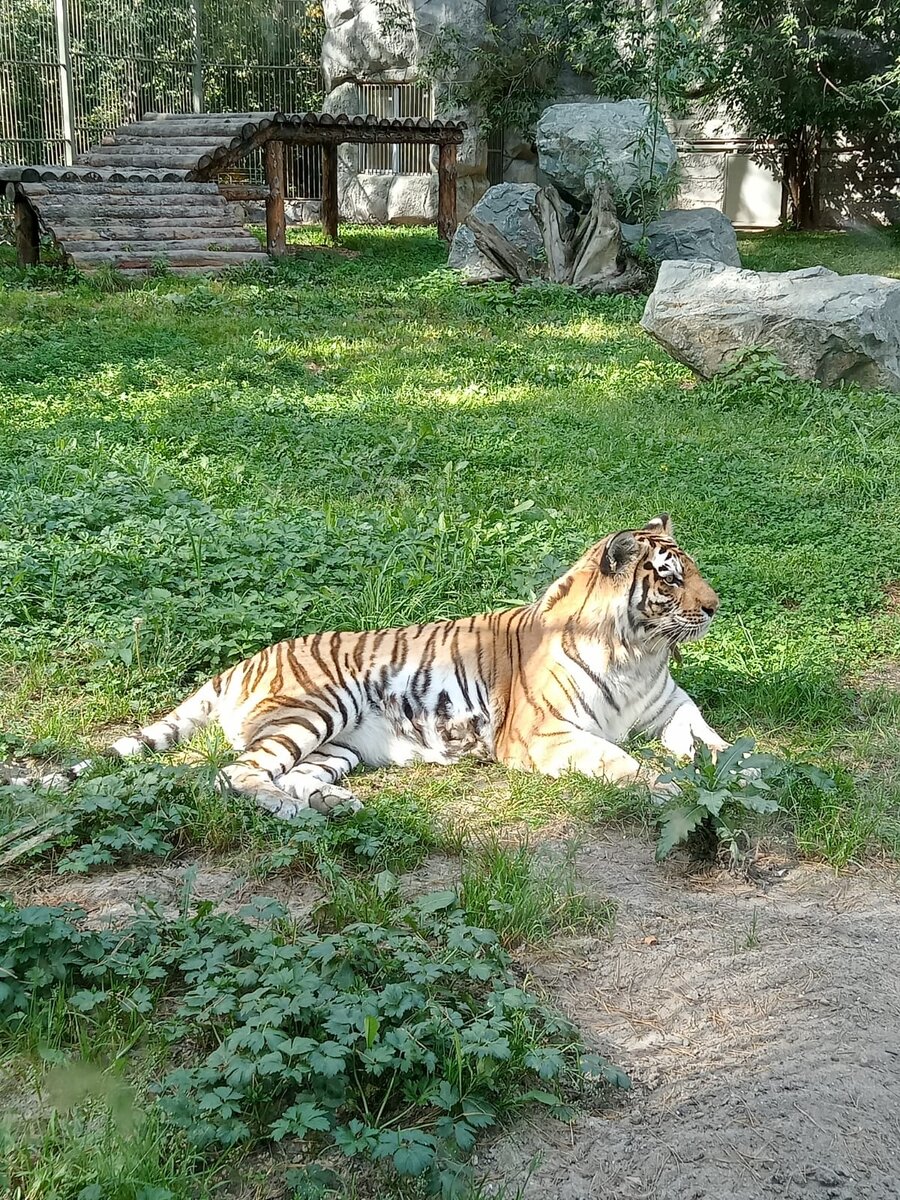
(528, 897)
(869, 252)
(192, 469)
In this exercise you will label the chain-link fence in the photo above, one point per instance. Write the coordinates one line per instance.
(72, 70)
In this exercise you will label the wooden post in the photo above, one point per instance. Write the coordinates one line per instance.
(28, 238)
(274, 164)
(446, 191)
(330, 192)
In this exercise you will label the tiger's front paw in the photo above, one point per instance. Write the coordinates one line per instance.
(334, 801)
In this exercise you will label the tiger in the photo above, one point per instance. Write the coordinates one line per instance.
(552, 686)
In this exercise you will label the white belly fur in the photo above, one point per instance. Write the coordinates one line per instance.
(379, 744)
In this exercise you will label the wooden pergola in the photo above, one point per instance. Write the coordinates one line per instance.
(330, 131)
(154, 191)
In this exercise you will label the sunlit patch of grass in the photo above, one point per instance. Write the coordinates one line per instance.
(873, 251)
(528, 895)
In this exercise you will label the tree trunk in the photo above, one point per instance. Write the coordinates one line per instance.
(801, 162)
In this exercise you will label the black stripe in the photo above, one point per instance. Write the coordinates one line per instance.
(570, 649)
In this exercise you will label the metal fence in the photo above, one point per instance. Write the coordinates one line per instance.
(395, 100)
(72, 70)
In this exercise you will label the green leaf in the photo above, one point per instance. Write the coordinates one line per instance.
(436, 901)
(712, 801)
(415, 1156)
(299, 1120)
(818, 778)
(753, 800)
(539, 1097)
(386, 882)
(676, 825)
(85, 1001)
(314, 1181)
(370, 1026)
(596, 1067)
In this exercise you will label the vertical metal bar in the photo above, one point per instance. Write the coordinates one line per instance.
(197, 82)
(395, 149)
(66, 88)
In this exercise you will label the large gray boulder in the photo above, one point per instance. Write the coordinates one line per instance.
(820, 325)
(624, 144)
(688, 233)
(373, 42)
(513, 209)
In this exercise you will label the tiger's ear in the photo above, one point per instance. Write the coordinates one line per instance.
(620, 552)
(660, 524)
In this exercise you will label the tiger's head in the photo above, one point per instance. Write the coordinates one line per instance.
(641, 580)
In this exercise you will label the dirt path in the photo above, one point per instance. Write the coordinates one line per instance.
(761, 1028)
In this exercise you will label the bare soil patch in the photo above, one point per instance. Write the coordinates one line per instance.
(112, 897)
(760, 1023)
(885, 674)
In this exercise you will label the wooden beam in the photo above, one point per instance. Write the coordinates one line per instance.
(447, 192)
(330, 192)
(28, 238)
(240, 191)
(338, 135)
(273, 154)
(498, 249)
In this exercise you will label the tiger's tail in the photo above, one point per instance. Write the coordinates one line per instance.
(177, 726)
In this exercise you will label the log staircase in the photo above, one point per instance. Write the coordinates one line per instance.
(140, 199)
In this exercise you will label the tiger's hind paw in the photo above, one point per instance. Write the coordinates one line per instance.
(334, 801)
(56, 781)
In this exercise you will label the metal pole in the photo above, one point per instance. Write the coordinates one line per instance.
(66, 86)
(197, 83)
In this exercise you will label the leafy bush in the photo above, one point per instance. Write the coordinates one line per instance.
(134, 810)
(137, 811)
(45, 954)
(398, 1042)
(716, 795)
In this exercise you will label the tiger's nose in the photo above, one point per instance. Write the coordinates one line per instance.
(709, 602)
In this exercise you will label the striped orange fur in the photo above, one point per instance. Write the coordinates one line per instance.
(549, 686)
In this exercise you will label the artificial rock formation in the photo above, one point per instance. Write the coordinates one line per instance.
(371, 42)
(688, 233)
(527, 234)
(624, 145)
(820, 325)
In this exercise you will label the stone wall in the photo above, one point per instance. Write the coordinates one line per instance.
(719, 169)
(365, 42)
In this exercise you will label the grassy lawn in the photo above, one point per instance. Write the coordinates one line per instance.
(191, 470)
(868, 252)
